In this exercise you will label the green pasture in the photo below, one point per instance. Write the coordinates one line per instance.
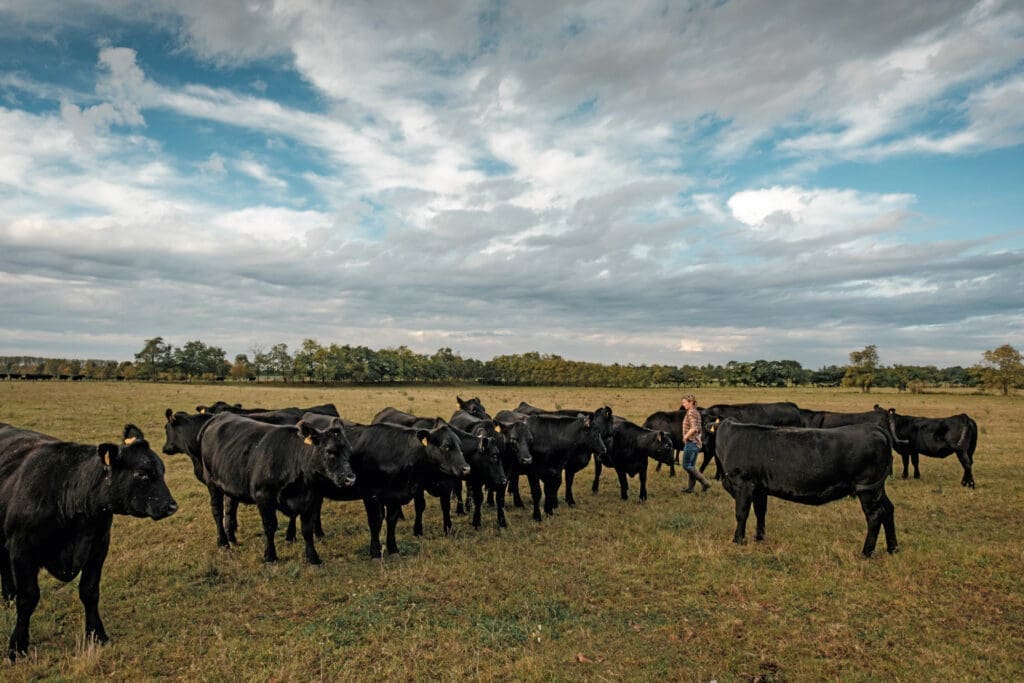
(608, 590)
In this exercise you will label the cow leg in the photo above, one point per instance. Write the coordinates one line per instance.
(231, 519)
(308, 519)
(318, 508)
(743, 496)
(419, 504)
(966, 463)
(446, 511)
(905, 457)
(551, 486)
(874, 512)
(393, 510)
(889, 523)
(490, 495)
(570, 477)
(643, 482)
(915, 459)
(500, 500)
(217, 507)
(26, 579)
(623, 484)
(268, 513)
(476, 489)
(289, 534)
(89, 592)
(374, 519)
(6, 574)
(597, 475)
(760, 510)
(535, 494)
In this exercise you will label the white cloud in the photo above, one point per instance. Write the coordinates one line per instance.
(794, 213)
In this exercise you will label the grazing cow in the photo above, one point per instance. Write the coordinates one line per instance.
(57, 503)
(632, 446)
(222, 407)
(557, 441)
(390, 463)
(473, 406)
(275, 467)
(807, 465)
(936, 438)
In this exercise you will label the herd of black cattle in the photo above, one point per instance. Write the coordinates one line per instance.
(57, 499)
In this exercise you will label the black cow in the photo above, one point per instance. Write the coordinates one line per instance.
(807, 465)
(275, 467)
(602, 421)
(57, 503)
(483, 454)
(514, 440)
(222, 407)
(557, 441)
(473, 406)
(390, 463)
(395, 416)
(632, 446)
(936, 437)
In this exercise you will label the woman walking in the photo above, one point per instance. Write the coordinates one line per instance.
(692, 443)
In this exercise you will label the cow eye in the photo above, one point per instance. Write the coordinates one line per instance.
(139, 474)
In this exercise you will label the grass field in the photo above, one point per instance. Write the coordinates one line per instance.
(609, 590)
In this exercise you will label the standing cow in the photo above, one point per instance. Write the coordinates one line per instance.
(806, 465)
(274, 467)
(632, 447)
(937, 438)
(57, 503)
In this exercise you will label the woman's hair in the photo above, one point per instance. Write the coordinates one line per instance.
(691, 398)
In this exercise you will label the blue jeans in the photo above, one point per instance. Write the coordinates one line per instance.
(690, 450)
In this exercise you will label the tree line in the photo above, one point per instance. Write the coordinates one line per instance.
(313, 362)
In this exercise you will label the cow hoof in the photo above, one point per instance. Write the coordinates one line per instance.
(916, 476)
(739, 541)
(867, 554)
(502, 524)
(314, 560)
(270, 559)
(893, 550)
(759, 539)
(393, 552)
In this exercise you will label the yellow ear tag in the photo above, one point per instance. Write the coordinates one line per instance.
(424, 440)
(106, 459)
(203, 411)
(712, 430)
(128, 442)
(497, 428)
(309, 440)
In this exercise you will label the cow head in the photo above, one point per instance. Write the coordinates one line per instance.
(181, 432)
(133, 479)
(593, 438)
(473, 406)
(488, 459)
(660, 448)
(518, 439)
(332, 452)
(443, 450)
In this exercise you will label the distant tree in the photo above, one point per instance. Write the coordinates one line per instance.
(240, 369)
(153, 358)
(279, 362)
(1001, 368)
(260, 360)
(863, 365)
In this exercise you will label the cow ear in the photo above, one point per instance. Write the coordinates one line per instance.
(132, 434)
(201, 410)
(169, 414)
(422, 435)
(107, 452)
(306, 431)
(659, 437)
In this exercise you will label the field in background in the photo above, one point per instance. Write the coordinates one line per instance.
(608, 590)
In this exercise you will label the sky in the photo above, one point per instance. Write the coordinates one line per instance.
(642, 182)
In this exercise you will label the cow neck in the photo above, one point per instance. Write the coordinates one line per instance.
(85, 493)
